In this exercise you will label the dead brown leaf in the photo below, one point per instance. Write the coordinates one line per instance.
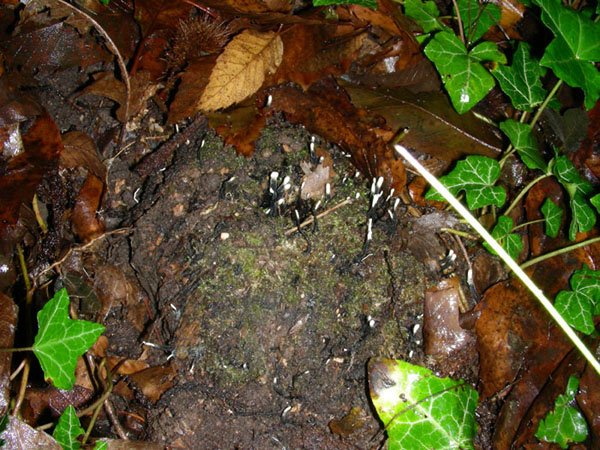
(239, 127)
(155, 15)
(153, 382)
(8, 325)
(241, 69)
(80, 151)
(432, 125)
(348, 424)
(19, 435)
(86, 221)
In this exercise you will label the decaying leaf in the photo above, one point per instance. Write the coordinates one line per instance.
(86, 222)
(241, 69)
(80, 151)
(8, 324)
(20, 435)
(153, 382)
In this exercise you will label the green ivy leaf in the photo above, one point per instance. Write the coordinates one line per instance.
(576, 46)
(565, 424)
(553, 216)
(3, 424)
(367, 3)
(595, 200)
(521, 81)
(579, 305)
(569, 177)
(100, 445)
(68, 429)
(521, 138)
(61, 340)
(511, 242)
(420, 410)
(463, 75)
(583, 219)
(477, 17)
(476, 175)
(424, 13)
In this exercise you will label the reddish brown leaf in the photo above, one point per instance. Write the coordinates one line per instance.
(432, 125)
(15, 106)
(22, 174)
(86, 222)
(239, 127)
(248, 6)
(325, 110)
(127, 367)
(589, 401)
(8, 324)
(348, 424)
(154, 15)
(59, 399)
(153, 382)
(445, 339)
(80, 151)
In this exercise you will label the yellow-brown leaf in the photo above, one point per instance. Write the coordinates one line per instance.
(241, 68)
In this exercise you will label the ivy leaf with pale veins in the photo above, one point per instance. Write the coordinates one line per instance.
(241, 69)
(575, 48)
(565, 424)
(582, 303)
(477, 17)
(476, 175)
(521, 138)
(511, 242)
(521, 80)
(424, 13)
(420, 410)
(466, 80)
(67, 429)
(553, 217)
(61, 340)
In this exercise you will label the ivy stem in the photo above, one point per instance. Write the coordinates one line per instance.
(560, 251)
(13, 349)
(22, 388)
(540, 110)
(463, 234)
(531, 222)
(524, 191)
(461, 29)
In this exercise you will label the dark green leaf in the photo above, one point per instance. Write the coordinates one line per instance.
(476, 175)
(463, 75)
(521, 138)
(477, 18)
(569, 177)
(510, 242)
(68, 429)
(565, 424)
(368, 3)
(570, 128)
(420, 410)
(595, 200)
(521, 81)
(424, 13)
(583, 219)
(61, 340)
(553, 215)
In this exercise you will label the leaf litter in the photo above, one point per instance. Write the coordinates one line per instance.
(209, 300)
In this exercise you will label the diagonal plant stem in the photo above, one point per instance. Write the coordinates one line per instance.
(557, 252)
(511, 263)
(524, 191)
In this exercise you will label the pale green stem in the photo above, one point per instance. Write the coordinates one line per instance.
(511, 263)
(560, 251)
(524, 191)
(531, 222)
(540, 110)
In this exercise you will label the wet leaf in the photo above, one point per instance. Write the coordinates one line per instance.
(8, 325)
(565, 424)
(348, 424)
(86, 221)
(154, 381)
(521, 138)
(521, 80)
(80, 151)
(61, 340)
(67, 429)
(432, 124)
(570, 127)
(155, 15)
(424, 13)
(476, 175)
(466, 80)
(511, 242)
(579, 305)
(420, 410)
(241, 69)
(588, 400)
(553, 216)
(19, 435)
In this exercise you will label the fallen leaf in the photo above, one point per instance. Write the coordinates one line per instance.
(155, 15)
(314, 180)
(154, 381)
(348, 424)
(22, 174)
(85, 216)
(241, 69)
(589, 401)
(433, 126)
(19, 435)
(80, 151)
(8, 325)
(240, 126)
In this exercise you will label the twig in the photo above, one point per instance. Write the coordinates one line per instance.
(22, 388)
(312, 219)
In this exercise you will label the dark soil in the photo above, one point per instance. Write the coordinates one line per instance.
(268, 333)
